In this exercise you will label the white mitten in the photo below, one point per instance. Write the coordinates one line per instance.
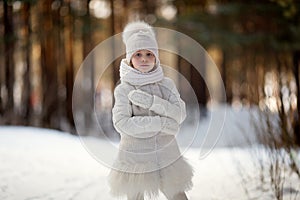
(140, 98)
(169, 126)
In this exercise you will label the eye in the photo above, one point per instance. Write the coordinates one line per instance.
(149, 54)
(138, 54)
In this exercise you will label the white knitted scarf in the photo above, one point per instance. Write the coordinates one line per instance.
(135, 77)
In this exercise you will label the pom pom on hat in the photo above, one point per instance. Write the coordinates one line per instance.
(135, 27)
(137, 36)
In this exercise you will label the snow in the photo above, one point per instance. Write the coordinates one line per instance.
(38, 164)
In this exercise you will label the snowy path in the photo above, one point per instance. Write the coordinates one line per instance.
(38, 164)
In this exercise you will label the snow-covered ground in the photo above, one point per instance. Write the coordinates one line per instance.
(46, 164)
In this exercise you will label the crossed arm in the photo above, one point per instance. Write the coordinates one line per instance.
(173, 108)
(170, 113)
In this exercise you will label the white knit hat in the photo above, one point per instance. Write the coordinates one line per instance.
(137, 36)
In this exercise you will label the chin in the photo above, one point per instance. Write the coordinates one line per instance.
(145, 70)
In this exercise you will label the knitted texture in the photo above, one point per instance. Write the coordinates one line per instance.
(169, 126)
(137, 36)
(134, 77)
(140, 98)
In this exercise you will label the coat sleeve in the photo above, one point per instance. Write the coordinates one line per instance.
(125, 122)
(174, 107)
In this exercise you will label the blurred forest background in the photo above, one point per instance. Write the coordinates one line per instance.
(255, 44)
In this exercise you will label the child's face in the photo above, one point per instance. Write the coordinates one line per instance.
(143, 60)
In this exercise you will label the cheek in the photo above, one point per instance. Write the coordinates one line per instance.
(152, 60)
(133, 61)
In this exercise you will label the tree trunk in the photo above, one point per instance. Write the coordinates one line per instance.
(224, 76)
(198, 85)
(296, 63)
(9, 60)
(59, 45)
(116, 76)
(89, 68)
(26, 104)
(69, 69)
(49, 69)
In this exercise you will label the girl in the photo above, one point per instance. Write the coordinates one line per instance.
(147, 113)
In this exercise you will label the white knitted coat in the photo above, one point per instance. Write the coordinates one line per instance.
(149, 160)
